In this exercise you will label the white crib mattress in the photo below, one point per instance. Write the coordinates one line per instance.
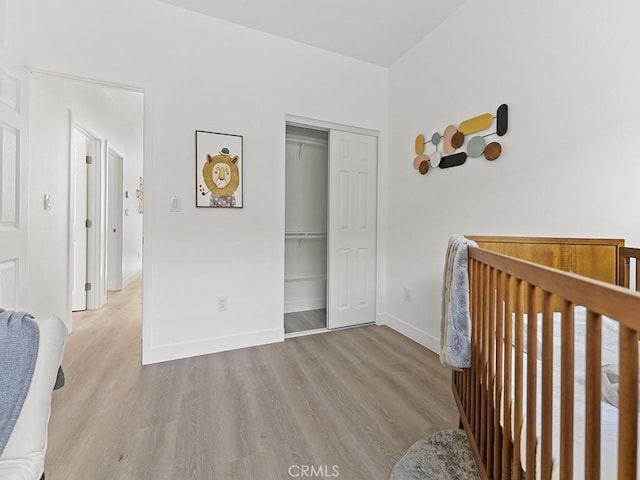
(609, 413)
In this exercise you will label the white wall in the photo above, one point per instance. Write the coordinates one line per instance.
(115, 116)
(570, 162)
(201, 73)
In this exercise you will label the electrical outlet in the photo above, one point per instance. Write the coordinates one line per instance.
(223, 304)
(406, 294)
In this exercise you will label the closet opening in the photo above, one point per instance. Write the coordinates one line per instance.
(306, 206)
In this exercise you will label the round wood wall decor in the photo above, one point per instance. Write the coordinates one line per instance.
(457, 140)
(492, 151)
(418, 160)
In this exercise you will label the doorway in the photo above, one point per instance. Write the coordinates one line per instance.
(330, 226)
(100, 118)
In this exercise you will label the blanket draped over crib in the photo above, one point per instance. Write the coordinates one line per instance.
(19, 340)
(455, 326)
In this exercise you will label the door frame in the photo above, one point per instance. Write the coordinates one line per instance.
(315, 124)
(116, 189)
(146, 90)
(96, 253)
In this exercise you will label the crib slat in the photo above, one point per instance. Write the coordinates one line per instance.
(566, 401)
(467, 376)
(491, 368)
(508, 369)
(519, 361)
(628, 395)
(547, 385)
(497, 440)
(484, 361)
(594, 395)
(474, 349)
(476, 356)
(532, 375)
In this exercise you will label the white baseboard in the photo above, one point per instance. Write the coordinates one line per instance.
(163, 353)
(304, 305)
(131, 278)
(415, 334)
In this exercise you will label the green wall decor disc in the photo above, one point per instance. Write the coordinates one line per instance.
(435, 138)
(475, 147)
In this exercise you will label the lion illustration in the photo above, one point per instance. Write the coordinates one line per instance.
(222, 177)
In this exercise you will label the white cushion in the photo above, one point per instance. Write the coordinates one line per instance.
(23, 457)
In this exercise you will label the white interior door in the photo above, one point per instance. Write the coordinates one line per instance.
(353, 161)
(13, 191)
(78, 220)
(114, 219)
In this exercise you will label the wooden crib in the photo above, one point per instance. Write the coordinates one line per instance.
(514, 281)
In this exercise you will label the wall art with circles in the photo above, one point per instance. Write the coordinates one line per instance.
(452, 146)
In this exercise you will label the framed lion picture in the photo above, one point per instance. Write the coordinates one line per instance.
(218, 170)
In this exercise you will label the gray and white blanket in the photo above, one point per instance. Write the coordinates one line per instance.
(19, 340)
(455, 327)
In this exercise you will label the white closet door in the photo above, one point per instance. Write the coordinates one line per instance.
(13, 191)
(352, 228)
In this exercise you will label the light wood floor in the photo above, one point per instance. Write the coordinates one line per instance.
(355, 398)
(301, 321)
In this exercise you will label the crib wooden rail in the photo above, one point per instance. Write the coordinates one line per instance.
(504, 291)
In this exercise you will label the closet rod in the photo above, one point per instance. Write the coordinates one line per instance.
(305, 234)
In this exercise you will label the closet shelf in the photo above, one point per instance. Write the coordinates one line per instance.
(304, 235)
(304, 279)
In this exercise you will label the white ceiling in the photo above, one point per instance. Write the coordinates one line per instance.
(375, 31)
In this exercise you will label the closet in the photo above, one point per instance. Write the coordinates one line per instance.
(330, 227)
(306, 204)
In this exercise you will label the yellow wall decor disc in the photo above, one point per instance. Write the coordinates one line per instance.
(419, 144)
(476, 124)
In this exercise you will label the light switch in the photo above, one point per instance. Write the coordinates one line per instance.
(175, 204)
(47, 201)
